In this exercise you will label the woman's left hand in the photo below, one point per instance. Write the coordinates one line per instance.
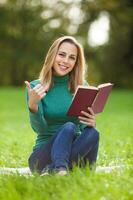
(88, 118)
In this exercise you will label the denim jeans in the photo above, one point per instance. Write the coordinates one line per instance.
(65, 149)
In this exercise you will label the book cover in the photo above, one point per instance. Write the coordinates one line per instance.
(94, 97)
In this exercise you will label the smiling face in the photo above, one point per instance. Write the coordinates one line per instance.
(65, 59)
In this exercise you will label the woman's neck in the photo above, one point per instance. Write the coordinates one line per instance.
(61, 79)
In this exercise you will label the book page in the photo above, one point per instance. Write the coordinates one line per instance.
(104, 85)
(101, 97)
(85, 87)
(88, 87)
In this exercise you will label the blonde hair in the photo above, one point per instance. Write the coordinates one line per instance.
(76, 75)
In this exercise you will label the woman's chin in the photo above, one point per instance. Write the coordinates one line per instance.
(60, 73)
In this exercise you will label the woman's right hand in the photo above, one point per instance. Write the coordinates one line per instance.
(35, 95)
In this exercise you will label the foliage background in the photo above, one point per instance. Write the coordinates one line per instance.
(28, 28)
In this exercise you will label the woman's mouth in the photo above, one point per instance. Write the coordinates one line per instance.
(63, 67)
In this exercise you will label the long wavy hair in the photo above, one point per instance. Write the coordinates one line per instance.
(76, 76)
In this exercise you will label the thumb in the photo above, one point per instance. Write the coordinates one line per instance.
(28, 85)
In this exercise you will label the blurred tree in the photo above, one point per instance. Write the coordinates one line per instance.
(20, 37)
(26, 31)
(28, 27)
(114, 60)
(116, 57)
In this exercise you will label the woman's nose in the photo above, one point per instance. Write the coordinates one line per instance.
(66, 59)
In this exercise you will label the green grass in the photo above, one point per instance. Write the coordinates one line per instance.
(116, 148)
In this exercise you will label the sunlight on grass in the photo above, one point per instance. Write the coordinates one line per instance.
(17, 138)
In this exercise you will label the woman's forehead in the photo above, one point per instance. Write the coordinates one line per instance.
(68, 47)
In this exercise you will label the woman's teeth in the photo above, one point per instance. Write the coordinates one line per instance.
(63, 67)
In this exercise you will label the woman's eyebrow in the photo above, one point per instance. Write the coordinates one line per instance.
(66, 53)
(62, 52)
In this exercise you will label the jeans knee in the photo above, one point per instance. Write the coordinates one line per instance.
(93, 134)
(96, 135)
(69, 127)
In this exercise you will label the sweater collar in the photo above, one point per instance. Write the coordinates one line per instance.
(61, 79)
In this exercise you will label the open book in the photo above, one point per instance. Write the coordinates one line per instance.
(89, 96)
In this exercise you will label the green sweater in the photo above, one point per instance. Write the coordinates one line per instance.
(52, 111)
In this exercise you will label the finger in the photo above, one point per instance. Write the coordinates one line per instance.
(40, 96)
(86, 119)
(46, 88)
(87, 114)
(42, 93)
(41, 89)
(28, 85)
(37, 86)
(87, 123)
(83, 122)
(91, 111)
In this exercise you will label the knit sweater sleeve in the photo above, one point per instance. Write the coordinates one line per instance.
(37, 120)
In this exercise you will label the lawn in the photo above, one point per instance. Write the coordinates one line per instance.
(115, 125)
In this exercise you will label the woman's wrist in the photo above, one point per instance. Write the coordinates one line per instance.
(33, 107)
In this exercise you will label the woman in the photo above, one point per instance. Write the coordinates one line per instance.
(62, 141)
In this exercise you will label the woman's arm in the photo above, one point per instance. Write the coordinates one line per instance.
(35, 107)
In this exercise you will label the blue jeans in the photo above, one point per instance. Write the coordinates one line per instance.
(65, 149)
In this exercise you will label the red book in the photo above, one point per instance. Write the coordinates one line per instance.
(89, 96)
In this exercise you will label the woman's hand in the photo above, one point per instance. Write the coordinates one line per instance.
(35, 95)
(88, 118)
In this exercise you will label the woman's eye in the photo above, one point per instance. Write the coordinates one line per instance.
(61, 54)
(73, 58)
